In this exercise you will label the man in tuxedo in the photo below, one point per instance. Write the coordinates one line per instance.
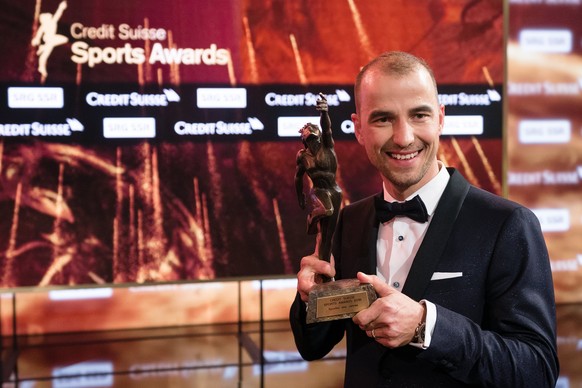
(464, 283)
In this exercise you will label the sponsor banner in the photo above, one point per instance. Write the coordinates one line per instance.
(195, 113)
(544, 93)
(37, 129)
(547, 88)
(545, 178)
(35, 97)
(541, 40)
(553, 220)
(102, 41)
(129, 127)
(544, 131)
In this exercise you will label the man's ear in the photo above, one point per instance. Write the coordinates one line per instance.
(357, 128)
(441, 119)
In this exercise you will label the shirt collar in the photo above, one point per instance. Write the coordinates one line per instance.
(431, 192)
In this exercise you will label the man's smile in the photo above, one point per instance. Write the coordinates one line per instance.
(408, 156)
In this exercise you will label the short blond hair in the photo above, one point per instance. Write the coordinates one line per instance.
(392, 62)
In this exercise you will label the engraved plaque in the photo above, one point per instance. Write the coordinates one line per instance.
(338, 300)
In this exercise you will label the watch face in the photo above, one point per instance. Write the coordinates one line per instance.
(419, 334)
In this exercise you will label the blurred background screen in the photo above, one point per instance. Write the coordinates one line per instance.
(146, 141)
(544, 144)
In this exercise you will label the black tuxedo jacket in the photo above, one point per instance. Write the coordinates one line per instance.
(495, 324)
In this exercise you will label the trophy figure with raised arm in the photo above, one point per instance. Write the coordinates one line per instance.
(331, 299)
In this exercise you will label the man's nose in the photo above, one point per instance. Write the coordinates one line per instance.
(403, 133)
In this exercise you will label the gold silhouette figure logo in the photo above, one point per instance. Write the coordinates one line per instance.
(46, 37)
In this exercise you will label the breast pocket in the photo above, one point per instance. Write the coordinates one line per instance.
(456, 283)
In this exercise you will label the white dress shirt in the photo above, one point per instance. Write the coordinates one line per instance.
(400, 238)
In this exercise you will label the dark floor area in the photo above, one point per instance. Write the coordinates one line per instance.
(199, 356)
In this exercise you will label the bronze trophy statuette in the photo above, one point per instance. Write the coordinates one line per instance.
(329, 300)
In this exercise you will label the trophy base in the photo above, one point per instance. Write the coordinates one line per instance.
(338, 300)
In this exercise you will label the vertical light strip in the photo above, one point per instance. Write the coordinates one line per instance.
(300, 69)
(284, 252)
(468, 170)
(7, 280)
(487, 165)
(504, 103)
(117, 220)
(231, 75)
(363, 36)
(251, 51)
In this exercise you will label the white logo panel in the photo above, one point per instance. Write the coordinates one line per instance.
(129, 127)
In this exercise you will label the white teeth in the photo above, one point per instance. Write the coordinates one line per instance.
(404, 157)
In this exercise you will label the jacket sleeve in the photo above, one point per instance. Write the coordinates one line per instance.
(313, 341)
(515, 345)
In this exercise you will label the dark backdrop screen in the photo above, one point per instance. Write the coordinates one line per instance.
(147, 141)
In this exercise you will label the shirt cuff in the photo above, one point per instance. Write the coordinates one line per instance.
(430, 322)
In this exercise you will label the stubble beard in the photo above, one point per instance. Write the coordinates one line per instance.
(402, 180)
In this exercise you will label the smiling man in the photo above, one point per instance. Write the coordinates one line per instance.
(463, 276)
(399, 122)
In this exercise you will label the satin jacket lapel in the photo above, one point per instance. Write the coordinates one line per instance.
(372, 228)
(437, 235)
(362, 255)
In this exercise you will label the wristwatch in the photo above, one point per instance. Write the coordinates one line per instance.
(419, 333)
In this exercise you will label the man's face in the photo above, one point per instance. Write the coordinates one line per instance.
(399, 122)
(313, 141)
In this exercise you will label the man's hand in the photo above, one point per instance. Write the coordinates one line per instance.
(393, 318)
(310, 274)
(321, 103)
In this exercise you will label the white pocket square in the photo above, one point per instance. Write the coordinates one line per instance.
(446, 275)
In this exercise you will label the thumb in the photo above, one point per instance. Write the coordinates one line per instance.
(381, 288)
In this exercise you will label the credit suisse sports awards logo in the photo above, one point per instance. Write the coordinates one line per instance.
(46, 37)
(131, 49)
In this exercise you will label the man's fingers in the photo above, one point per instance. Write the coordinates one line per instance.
(313, 264)
(380, 287)
(311, 268)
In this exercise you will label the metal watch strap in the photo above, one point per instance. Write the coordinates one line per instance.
(419, 333)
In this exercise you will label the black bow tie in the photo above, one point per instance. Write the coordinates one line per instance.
(413, 209)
